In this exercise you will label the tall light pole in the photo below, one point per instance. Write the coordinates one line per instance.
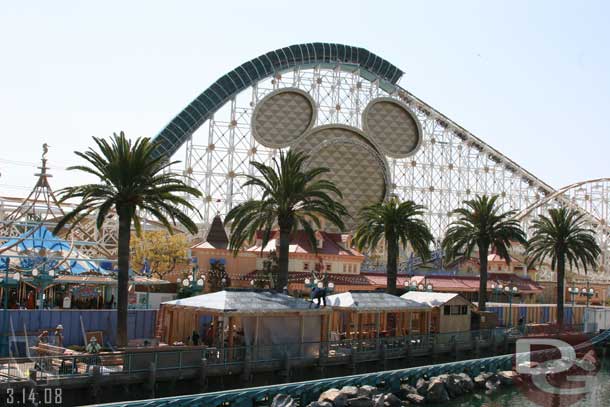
(573, 291)
(410, 286)
(496, 289)
(42, 279)
(510, 292)
(589, 293)
(324, 289)
(413, 286)
(192, 283)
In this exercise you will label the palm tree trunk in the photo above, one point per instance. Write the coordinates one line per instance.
(561, 269)
(283, 257)
(483, 251)
(392, 266)
(123, 283)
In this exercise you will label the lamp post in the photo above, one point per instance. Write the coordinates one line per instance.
(42, 279)
(410, 285)
(573, 291)
(413, 286)
(311, 284)
(322, 289)
(193, 283)
(510, 292)
(589, 293)
(315, 283)
(497, 289)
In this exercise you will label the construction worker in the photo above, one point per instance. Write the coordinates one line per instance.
(93, 348)
(59, 336)
(43, 337)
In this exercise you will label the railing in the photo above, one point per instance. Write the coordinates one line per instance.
(308, 391)
(304, 392)
(63, 366)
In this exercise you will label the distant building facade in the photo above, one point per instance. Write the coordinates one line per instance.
(334, 258)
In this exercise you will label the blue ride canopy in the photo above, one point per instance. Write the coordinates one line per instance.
(43, 238)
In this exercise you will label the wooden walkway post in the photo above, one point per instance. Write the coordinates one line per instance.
(301, 334)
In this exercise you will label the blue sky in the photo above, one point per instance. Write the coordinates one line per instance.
(531, 78)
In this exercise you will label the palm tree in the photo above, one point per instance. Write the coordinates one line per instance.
(480, 224)
(133, 180)
(562, 236)
(292, 197)
(399, 223)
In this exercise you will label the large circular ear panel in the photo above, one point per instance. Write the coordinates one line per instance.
(393, 127)
(282, 116)
(356, 167)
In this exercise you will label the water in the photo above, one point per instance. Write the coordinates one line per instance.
(513, 397)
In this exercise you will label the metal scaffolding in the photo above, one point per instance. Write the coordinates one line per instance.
(450, 166)
(20, 219)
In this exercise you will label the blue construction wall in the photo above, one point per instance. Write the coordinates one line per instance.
(536, 314)
(141, 323)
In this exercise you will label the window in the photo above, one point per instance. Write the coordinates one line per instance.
(456, 310)
(344, 268)
(415, 322)
(305, 266)
(328, 267)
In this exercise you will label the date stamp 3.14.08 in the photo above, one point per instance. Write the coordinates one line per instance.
(24, 397)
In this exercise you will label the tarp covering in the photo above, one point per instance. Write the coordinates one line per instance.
(372, 301)
(431, 299)
(244, 301)
(284, 331)
(56, 248)
(279, 319)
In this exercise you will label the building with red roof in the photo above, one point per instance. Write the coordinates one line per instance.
(334, 258)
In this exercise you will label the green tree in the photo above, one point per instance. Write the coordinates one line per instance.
(293, 197)
(399, 223)
(132, 180)
(165, 253)
(563, 237)
(481, 224)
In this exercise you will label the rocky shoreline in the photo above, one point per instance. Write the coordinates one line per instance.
(435, 390)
